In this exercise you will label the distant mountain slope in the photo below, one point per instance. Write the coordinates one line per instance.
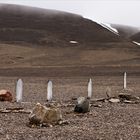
(110, 28)
(136, 37)
(58, 41)
(126, 31)
(49, 27)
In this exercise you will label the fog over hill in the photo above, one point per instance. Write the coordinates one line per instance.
(41, 26)
(126, 31)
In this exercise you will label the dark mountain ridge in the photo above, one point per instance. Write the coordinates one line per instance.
(49, 27)
(39, 38)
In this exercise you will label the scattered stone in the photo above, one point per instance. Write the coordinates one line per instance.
(108, 92)
(96, 105)
(65, 122)
(5, 95)
(137, 126)
(114, 100)
(45, 115)
(126, 91)
(7, 137)
(2, 131)
(106, 100)
(52, 104)
(45, 125)
(15, 110)
(127, 96)
(131, 102)
(82, 105)
(74, 98)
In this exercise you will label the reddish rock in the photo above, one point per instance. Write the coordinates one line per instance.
(5, 95)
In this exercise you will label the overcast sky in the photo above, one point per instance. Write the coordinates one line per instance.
(125, 12)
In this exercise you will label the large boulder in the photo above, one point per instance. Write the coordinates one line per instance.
(42, 114)
(5, 95)
(82, 105)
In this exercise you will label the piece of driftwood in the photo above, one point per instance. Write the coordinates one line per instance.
(96, 105)
(98, 100)
(15, 110)
(131, 102)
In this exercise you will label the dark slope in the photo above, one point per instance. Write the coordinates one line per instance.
(136, 37)
(49, 27)
(126, 31)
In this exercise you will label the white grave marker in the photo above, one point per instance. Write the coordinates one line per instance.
(124, 86)
(90, 88)
(49, 91)
(19, 90)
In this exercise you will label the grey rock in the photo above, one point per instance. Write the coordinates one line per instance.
(82, 105)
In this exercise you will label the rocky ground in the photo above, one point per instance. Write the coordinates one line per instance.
(36, 45)
(105, 121)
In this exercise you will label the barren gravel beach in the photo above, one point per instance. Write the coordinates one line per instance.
(105, 121)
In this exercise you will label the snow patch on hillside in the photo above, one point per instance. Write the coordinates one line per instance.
(109, 27)
(137, 43)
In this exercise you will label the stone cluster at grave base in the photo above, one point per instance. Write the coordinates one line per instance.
(5, 95)
(42, 114)
(125, 96)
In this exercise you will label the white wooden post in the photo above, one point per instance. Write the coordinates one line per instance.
(90, 88)
(49, 91)
(125, 81)
(19, 90)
